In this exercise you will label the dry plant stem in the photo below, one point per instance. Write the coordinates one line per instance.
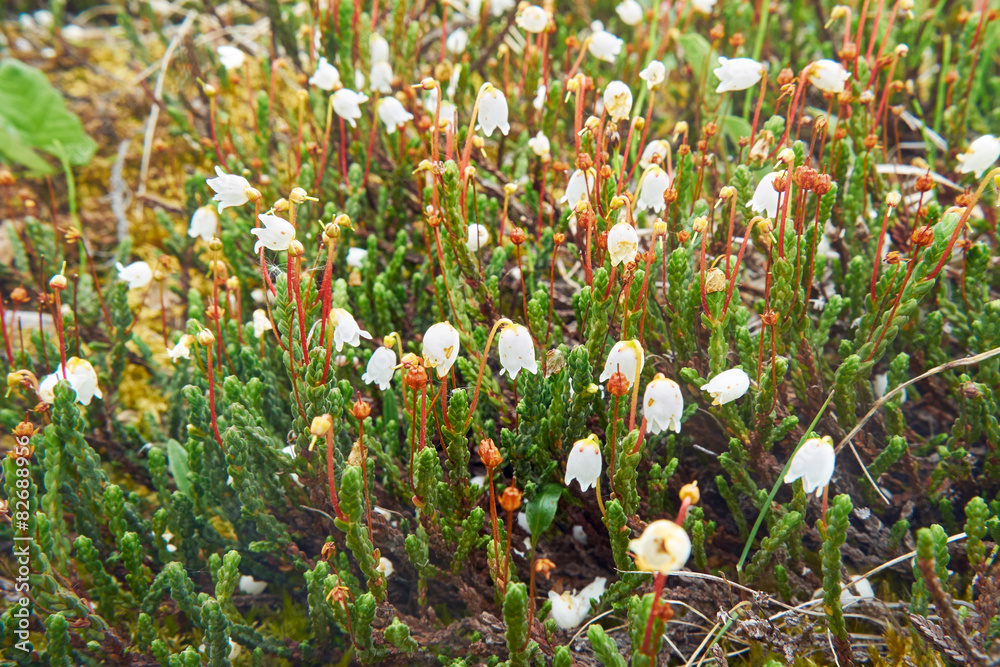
(211, 396)
(642, 141)
(6, 340)
(531, 597)
(658, 580)
(506, 557)
(756, 112)
(413, 438)
(945, 609)
(211, 127)
(343, 152)
(503, 321)
(371, 141)
(326, 145)
(496, 531)
(327, 291)
(785, 198)
(57, 317)
(701, 273)
(331, 478)
(961, 224)
(541, 199)
(612, 443)
(364, 473)
(729, 235)
(645, 288)
(524, 292)
(552, 290)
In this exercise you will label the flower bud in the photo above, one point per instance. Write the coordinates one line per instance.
(715, 281)
(786, 155)
(361, 410)
(206, 337)
(660, 227)
(892, 199)
(727, 192)
(922, 236)
(281, 205)
(618, 384)
(510, 499)
(296, 248)
(215, 245)
(690, 493)
(517, 236)
(297, 196)
(509, 188)
(321, 425)
(489, 454)
(699, 225)
(58, 282)
(233, 283)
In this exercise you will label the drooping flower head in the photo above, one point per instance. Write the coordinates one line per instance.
(570, 609)
(532, 19)
(81, 377)
(230, 57)
(261, 322)
(737, 73)
(653, 184)
(477, 237)
(381, 367)
(727, 386)
(828, 75)
(663, 405)
(276, 233)
(230, 189)
(656, 151)
(182, 349)
(539, 144)
(584, 463)
(630, 12)
(603, 45)
(346, 329)
(765, 197)
(347, 104)
(204, 222)
(457, 41)
(578, 188)
(654, 74)
(326, 77)
(617, 101)
(517, 351)
(393, 114)
(813, 463)
(979, 156)
(492, 110)
(663, 547)
(440, 347)
(380, 78)
(136, 274)
(623, 243)
(626, 356)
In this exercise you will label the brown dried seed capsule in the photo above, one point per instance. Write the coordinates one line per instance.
(785, 76)
(717, 32)
(737, 40)
(517, 236)
(489, 454)
(770, 318)
(618, 384)
(925, 183)
(361, 410)
(510, 499)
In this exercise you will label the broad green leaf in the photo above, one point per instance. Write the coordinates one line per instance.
(735, 127)
(177, 459)
(33, 115)
(542, 509)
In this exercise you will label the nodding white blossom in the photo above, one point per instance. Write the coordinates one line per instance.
(579, 534)
(623, 243)
(359, 79)
(230, 57)
(765, 197)
(393, 114)
(492, 110)
(617, 101)
(653, 184)
(578, 188)
(346, 329)
(347, 104)
(630, 12)
(703, 6)
(380, 368)
(385, 567)
(584, 463)
(737, 73)
(182, 349)
(276, 233)
(727, 386)
(251, 586)
(378, 49)
(356, 257)
(478, 236)
(663, 405)
(655, 151)
(663, 547)
(540, 145)
(828, 75)
(813, 464)
(501, 7)
(204, 223)
(261, 322)
(532, 19)
(626, 357)
(539, 100)
(167, 536)
(603, 45)
(81, 377)
(979, 156)
(136, 274)
(381, 78)
(569, 610)
(326, 77)
(440, 347)
(230, 189)
(457, 41)
(517, 351)
(456, 75)
(654, 74)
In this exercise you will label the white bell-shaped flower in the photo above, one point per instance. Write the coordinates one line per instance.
(532, 19)
(326, 77)
(630, 12)
(381, 78)
(379, 48)
(81, 377)
(828, 75)
(251, 586)
(501, 7)
(356, 257)
(570, 609)
(182, 349)
(655, 151)
(813, 464)
(623, 243)
(346, 329)
(617, 101)
(578, 188)
(492, 110)
(347, 104)
(663, 547)
(654, 74)
(539, 100)
(385, 567)
(727, 386)
(230, 57)
(627, 357)
(653, 184)
(381, 367)
(230, 189)
(663, 405)
(457, 41)
(477, 237)
(276, 233)
(979, 156)
(204, 223)
(440, 347)
(261, 322)
(136, 274)
(517, 351)
(604, 46)
(765, 197)
(737, 73)
(359, 79)
(393, 114)
(703, 6)
(584, 463)
(539, 144)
